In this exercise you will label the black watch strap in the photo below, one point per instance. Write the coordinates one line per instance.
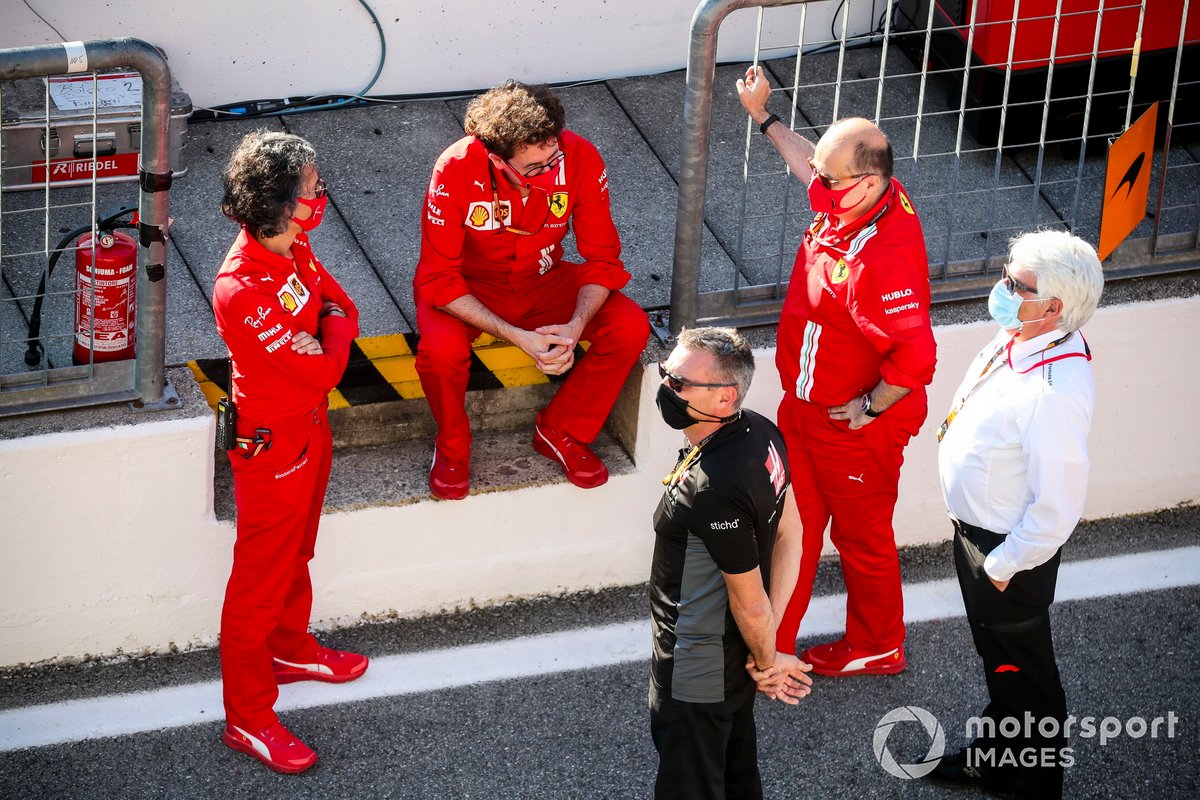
(866, 406)
(768, 122)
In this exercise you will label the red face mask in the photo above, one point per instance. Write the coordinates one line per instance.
(317, 206)
(825, 200)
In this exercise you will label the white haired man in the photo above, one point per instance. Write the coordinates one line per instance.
(1013, 463)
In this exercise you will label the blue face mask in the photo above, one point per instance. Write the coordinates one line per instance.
(1003, 305)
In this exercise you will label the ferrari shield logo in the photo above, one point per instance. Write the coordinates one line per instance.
(904, 202)
(558, 204)
(840, 272)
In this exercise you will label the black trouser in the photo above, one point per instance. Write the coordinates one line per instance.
(1012, 635)
(706, 751)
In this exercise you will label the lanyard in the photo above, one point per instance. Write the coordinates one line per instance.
(1006, 348)
(1087, 353)
(673, 480)
(983, 375)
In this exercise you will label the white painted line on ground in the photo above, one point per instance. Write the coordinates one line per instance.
(587, 648)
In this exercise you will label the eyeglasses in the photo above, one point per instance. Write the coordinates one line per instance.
(320, 188)
(829, 182)
(677, 384)
(1013, 285)
(540, 169)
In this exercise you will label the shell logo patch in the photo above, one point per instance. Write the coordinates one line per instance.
(840, 272)
(293, 296)
(558, 204)
(905, 204)
(488, 215)
(479, 216)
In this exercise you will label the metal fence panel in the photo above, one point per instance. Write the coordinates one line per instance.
(994, 133)
(54, 382)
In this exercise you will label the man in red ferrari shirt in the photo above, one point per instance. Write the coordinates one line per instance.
(855, 353)
(498, 206)
(288, 326)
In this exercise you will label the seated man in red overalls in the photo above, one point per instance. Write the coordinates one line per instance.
(499, 204)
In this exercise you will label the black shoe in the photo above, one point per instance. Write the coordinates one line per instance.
(953, 771)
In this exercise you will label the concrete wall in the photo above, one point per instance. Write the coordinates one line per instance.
(109, 540)
(222, 51)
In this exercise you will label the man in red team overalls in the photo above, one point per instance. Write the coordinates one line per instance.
(499, 204)
(288, 326)
(855, 353)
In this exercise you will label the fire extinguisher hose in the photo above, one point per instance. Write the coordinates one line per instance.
(107, 222)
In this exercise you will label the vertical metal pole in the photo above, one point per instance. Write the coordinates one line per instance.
(837, 86)
(921, 93)
(1041, 154)
(1073, 224)
(149, 378)
(693, 160)
(1162, 172)
(1012, 43)
(887, 29)
(1135, 56)
(958, 137)
(780, 289)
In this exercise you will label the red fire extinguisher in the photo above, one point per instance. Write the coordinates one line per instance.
(105, 291)
(105, 330)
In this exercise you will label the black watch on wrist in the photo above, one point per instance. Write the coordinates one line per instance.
(866, 406)
(768, 122)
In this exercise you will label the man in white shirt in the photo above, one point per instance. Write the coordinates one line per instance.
(1013, 463)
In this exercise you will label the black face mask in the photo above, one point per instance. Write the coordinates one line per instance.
(674, 410)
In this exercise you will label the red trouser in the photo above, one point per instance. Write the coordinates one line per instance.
(617, 335)
(279, 495)
(851, 477)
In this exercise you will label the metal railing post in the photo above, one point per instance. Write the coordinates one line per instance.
(693, 166)
(149, 379)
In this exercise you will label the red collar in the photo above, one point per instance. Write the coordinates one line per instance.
(254, 250)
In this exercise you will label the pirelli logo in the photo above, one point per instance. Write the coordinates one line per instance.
(383, 369)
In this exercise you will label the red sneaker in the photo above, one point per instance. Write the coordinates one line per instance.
(449, 479)
(582, 467)
(274, 745)
(329, 665)
(839, 658)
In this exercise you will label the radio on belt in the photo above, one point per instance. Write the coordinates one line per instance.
(65, 153)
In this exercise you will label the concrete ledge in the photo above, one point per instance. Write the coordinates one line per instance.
(111, 543)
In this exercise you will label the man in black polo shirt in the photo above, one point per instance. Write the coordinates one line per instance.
(727, 506)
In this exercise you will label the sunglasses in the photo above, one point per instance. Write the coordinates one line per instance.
(321, 188)
(829, 182)
(1013, 285)
(677, 384)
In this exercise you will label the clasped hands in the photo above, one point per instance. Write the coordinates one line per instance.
(305, 343)
(786, 680)
(552, 347)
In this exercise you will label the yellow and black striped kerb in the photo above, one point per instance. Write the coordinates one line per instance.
(382, 369)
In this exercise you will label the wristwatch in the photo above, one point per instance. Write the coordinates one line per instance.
(866, 406)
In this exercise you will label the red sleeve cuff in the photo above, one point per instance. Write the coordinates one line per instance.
(337, 332)
(891, 374)
(610, 277)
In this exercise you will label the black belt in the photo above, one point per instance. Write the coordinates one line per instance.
(982, 538)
